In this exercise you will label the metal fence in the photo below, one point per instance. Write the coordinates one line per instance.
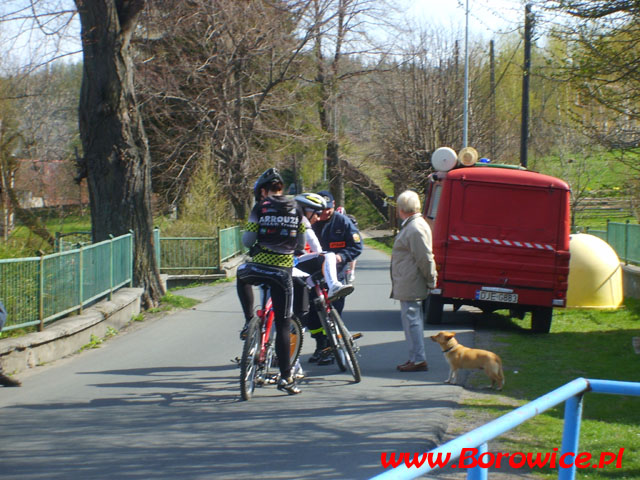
(572, 394)
(624, 238)
(38, 290)
(71, 240)
(195, 255)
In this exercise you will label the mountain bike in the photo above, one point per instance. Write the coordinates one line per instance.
(341, 342)
(259, 364)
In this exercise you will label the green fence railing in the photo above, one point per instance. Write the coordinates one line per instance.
(37, 290)
(624, 238)
(230, 242)
(188, 254)
(71, 240)
(198, 255)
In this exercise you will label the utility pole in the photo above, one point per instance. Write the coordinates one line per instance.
(526, 73)
(465, 128)
(492, 86)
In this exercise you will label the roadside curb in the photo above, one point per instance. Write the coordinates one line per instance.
(69, 335)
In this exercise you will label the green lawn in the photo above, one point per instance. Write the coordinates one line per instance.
(582, 343)
(585, 343)
(24, 243)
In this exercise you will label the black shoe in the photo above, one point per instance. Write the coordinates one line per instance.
(8, 381)
(243, 332)
(317, 355)
(327, 358)
(289, 386)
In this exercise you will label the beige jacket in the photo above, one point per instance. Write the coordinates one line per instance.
(413, 268)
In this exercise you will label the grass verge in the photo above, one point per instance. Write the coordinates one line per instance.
(582, 343)
(171, 301)
(384, 244)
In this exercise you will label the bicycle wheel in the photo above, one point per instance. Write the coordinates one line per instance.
(331, 330)
(250, 359)
(296, 340)
(346, 345)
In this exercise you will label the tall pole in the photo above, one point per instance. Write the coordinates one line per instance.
(526, 73)
(465, 128)
(492, 83)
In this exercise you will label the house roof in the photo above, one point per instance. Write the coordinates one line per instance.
(52, 181)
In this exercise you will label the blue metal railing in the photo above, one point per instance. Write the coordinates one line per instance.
(571, 393)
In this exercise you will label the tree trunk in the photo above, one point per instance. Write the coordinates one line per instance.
(362, 182)
(116, 154)
(336, 178)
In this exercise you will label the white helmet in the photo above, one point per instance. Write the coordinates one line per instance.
(311, 201)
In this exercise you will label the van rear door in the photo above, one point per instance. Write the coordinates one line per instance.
(504, 233)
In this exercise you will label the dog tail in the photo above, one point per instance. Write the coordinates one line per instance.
(500, 375)
(497, 374)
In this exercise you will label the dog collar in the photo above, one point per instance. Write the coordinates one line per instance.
(449, 349)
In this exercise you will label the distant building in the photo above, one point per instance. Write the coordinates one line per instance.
(48, 184)
(42, 184)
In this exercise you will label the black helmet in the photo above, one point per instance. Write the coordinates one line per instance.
(268, 177)
(311, 201)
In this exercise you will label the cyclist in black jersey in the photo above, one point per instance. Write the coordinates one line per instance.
(274, 232)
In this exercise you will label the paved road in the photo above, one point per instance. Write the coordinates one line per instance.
(161, 401)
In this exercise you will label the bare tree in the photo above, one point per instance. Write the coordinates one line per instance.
(417, 108)
(600, 62)
(218, 78)
(116, 157)
(341, 33)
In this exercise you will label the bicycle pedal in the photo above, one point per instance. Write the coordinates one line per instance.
(326, 350)
(236, 360)
(356, 336)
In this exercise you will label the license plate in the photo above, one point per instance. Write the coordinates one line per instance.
(497, 296)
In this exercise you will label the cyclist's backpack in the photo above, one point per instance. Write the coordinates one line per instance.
(278, 220)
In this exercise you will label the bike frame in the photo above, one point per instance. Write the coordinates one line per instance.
(322, 293)
(266, 315)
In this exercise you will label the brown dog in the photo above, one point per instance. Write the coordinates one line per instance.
(458, 356)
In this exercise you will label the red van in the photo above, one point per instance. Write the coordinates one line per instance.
(501, 241)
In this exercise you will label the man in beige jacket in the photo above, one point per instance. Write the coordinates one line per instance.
(413, 274)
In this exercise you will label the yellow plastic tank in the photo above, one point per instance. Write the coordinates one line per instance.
(595, 274)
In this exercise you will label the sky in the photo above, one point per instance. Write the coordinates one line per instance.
(487, 18)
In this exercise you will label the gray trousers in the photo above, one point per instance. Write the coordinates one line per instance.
(412, 323)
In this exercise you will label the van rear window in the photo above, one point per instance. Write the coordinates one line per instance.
(434, 201)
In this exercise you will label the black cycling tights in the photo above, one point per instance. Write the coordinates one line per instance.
(280, 283)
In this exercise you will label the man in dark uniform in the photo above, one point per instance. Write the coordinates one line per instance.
(337, 234)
